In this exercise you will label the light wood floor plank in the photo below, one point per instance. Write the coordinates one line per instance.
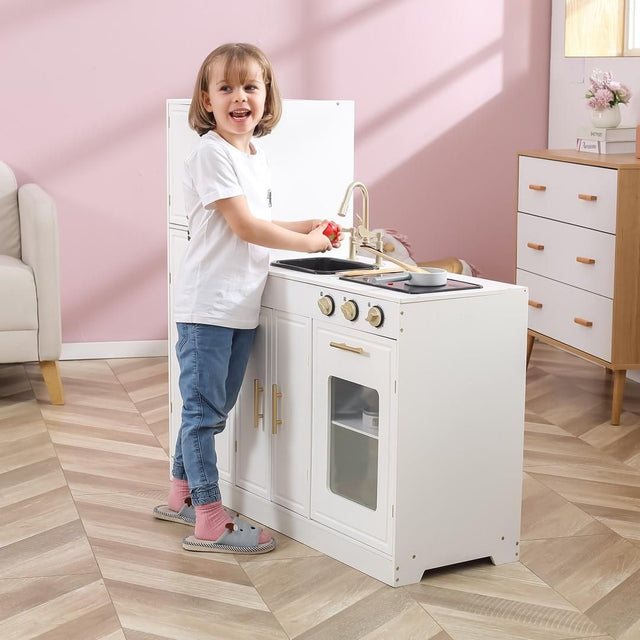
(584, 569)
(385, 613)
(63, 550)
(545, 514)
(304, 592)
(55, 606)
(186, 617)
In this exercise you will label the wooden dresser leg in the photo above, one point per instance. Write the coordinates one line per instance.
(619, 377)
(530, 341)
(53, 381)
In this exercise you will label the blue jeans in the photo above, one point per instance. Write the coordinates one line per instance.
(212, 364)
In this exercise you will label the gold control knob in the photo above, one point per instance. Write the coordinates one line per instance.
(326, 305)
(375, 317)
(349, 310)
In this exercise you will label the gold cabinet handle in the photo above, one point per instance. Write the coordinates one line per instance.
(257, 390)
(587, 197)
(537, 187)
(583, 322)
(536, 305)
(537, 247)
(585, 260)
(275, 421)
(346, 347)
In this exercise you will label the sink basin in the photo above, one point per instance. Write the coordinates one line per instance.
(321, 264)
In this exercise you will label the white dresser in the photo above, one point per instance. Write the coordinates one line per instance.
(578, 252)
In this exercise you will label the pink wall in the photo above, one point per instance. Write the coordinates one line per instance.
(445, 94)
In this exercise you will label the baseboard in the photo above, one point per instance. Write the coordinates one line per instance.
(634, 375)
(106, 350)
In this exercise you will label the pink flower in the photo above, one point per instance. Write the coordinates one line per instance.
(605, 92)
(602, 99)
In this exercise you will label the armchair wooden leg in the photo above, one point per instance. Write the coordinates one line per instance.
(52, 379)
(619, 377)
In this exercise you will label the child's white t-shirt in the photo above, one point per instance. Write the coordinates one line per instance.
(222, 277)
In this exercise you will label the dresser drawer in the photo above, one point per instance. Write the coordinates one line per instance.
(577, 256)
(561, 305)
(569, 192)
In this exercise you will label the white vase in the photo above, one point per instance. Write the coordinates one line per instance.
(606, 118)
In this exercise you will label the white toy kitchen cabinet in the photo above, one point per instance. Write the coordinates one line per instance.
(379, 425)
(416, 424)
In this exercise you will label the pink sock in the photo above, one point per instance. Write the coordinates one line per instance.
(211, 521)
(177, 493)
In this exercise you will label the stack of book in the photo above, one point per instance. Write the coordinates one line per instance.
(617, 140)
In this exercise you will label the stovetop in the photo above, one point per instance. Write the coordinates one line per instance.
(404, 287)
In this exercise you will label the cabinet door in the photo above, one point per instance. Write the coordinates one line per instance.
(253, 424)
(352, 380)
(291, 441)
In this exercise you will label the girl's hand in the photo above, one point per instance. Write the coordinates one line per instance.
(332, 230)
(318, 242)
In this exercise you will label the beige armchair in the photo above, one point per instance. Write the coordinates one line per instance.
(30, 279)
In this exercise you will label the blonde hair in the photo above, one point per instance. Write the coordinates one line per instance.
(236, 58)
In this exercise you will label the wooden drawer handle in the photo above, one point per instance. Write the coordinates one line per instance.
(584, 323)
(346, 347)
(587, 197)
(537, 187)
(537, 247)
(585, 260)
(536, 305)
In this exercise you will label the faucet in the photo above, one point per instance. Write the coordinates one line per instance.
(359, 234)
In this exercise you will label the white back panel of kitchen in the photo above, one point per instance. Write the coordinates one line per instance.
(310, 154)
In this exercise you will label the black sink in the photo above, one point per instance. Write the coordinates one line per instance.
(321, 264)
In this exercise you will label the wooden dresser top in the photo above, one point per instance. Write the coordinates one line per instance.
(611, 161)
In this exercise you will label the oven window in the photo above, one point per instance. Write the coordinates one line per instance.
(353, 445)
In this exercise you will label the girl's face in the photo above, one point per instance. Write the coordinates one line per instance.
(237, 103)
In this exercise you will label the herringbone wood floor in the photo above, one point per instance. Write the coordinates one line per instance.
(82, 558)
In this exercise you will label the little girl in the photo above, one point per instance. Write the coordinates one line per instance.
(219, 288)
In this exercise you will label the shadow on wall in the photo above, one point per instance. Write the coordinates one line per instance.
(50, 164)
(446, 209)
(15, 14)
(457, 195)
(306, 46)
(120, 297)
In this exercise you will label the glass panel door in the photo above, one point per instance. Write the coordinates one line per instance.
(353, 456)
(352, 476)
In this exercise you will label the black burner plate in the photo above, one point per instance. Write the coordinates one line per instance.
(451, 285)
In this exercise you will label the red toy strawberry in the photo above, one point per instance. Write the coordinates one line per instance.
(332, 231)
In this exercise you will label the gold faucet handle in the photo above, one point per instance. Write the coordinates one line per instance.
(364, 233)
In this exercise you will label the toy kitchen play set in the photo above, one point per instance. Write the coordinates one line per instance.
(380, 422)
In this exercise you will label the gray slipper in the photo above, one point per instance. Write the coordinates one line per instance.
(240, 537)
(186, 515)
